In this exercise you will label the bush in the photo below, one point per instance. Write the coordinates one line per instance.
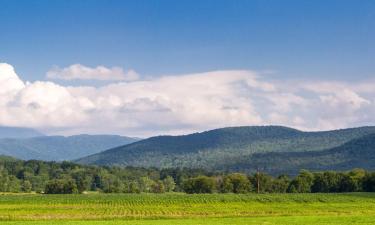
(59, 186)
(157, 187)
(200, 184)
(236, 183)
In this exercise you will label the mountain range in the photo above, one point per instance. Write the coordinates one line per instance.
(357, 153)
(18, 132)
(272, 149)
(25, 143)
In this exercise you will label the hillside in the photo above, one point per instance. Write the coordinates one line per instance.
(358, 153)
(18, 132)
(223, 148)
(58, 148)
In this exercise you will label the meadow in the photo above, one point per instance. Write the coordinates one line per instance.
(147, 209)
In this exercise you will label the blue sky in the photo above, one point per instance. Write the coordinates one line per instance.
(314, 39)
(143, 68)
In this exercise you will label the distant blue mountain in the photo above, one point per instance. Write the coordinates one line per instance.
(18, 132)
(59, 148)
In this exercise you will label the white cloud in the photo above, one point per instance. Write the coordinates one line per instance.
(183, 103)
(81, 72)
(10, 83)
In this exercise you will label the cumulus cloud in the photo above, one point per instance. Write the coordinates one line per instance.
(9, 80)
(81, 72)
(183, 103)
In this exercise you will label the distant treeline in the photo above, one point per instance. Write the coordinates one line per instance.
(67, 178)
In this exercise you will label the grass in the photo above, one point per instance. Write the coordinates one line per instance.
(164, 209)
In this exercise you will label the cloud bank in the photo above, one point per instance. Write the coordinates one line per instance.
(81, 72)
(184, 103)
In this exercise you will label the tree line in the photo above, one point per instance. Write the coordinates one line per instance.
(68, 178)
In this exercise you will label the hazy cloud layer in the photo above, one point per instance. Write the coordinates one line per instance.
(183, 103)
(81, 72)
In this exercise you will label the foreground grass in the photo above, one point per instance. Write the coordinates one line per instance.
(293, 220)
(164, 209)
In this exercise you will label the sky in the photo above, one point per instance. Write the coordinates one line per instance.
(147, 67)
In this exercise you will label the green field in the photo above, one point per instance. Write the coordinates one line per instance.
(164, 209)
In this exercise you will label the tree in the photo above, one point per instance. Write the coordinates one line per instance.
(326, 182)
(133, 187)
(369, 182)
(112, 184)
(302, 183)
(14, 185)
(200, 184)
(169, 184)
(236, 183)
(26, 186)
(157, 187)
(226, 185)
(349, 184)
(59, 186)
(145, 184)
(281, 184)
(264, 181)
(38, 183)
(82, 179)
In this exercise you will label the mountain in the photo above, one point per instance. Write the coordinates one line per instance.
(230, 148)
(18, 132)
(357, 153)
(58, 148)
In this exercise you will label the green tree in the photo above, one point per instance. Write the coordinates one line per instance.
(59, 186)
(133, 187)
(145, 184)
(265, 182)
(200, 184)
(369, 182)
(349, 184)
(302, 183)
(169, 184)
(112, 184)
(157, 187)
(82, 179)
(281, 184)
(26, 186)
(236, 183)
(326, 182)
(14, 185)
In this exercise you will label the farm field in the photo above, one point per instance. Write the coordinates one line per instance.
(147, 209)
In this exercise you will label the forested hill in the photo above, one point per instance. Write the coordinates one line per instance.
(227, 148)
(58, 148)
(357, 153)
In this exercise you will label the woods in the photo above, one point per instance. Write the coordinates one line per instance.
(69, 178)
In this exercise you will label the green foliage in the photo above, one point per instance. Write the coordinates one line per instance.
(280, 185)
(133, 187)
(145, 184)
(356, 153)
(26, 186)
(369, 182)
(302, 183)
(169, 184)
(277, 150)
(67, 177)
(157, 187)
(200, 184)
(60, 186)
(236, 183)
(327, 182)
